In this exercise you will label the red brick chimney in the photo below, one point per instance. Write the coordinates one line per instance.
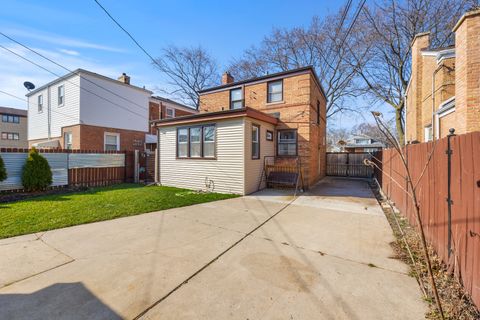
(124, 78)
(467, 73)
(227, 78)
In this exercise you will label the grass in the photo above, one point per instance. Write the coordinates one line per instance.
(96, 204)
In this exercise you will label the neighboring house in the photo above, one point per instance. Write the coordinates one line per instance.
(444, 89)
(223, 148)
(88, 111)
(362, 143)
(13, 128)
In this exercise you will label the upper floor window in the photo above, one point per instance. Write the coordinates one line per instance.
(10, 118)
(287, 143)
(61, 95)
(40, 103)
(255, 142)
(10, 136)
(275, 91)
(170, 113)
(196, 142)
(236, 99)
(112, 141)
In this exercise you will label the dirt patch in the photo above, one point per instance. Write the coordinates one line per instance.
(456, 303)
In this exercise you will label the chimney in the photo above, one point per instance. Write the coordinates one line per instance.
(467, 73)
(124, 78)
(227, 78)
(419, 43)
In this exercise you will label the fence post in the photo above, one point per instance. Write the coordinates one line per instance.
(449, 195)
(136, 167)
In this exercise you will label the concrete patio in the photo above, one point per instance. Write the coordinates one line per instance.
(326, 255)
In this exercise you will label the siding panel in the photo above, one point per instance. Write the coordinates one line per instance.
(226, 172)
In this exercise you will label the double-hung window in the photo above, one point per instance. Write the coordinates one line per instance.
(170, 113)
(255, 142)
(10, 118)
(61, 95)
(40, 103)
(236, 99)
(10, 136)
(275, 91)
(287, 143)
(68, 140)
(112, 141)
(196, 142)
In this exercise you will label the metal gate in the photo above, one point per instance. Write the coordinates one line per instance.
(345, 164)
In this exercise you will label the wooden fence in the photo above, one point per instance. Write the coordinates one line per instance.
(348, 164)
(432, 193)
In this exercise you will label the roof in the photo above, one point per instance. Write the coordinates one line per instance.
(266, 77)
(217, 115)
(13, 111)
(177, 104)
(83, 71)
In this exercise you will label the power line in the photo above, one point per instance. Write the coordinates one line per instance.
(35, 104)
(67, 69)
(82, 88)
(128, 33)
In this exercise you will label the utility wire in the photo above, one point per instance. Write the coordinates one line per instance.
(35, 104)
(71, 82)
(128, 33)
(69, 70)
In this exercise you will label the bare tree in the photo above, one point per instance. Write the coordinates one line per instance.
(189, 70)
(334, 136)
(392, 26)
(320, 45)
(371, 130)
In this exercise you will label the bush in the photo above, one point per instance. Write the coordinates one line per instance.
(36, 174)
(3, 171)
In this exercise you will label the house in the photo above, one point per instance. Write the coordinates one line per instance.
(13, 128)
(88, 111)
(444, 88)
(362, 143)
(241, 125)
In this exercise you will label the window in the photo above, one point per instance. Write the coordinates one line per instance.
(40, 103)
(68, 139)
(275, 91)
(428, 133)
(10, 118)
(362, 141)
(255, 142)
(269, 135)
(61, 95)
(196, 142)
(112, 141)
(318, 112)
(287, 143)
(10, 136)
(236, 99)
(170, 113)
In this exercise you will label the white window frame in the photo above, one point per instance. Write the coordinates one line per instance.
(269, 93)
(169, 116)
(70, 134)
(426, 131)
(105, 134)
(63, 96)
(40, 103)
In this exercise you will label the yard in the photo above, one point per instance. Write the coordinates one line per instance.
(96, 204)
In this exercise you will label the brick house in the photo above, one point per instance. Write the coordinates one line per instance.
(13, 128)
(444, 88)
(88, 111)
(280, 116)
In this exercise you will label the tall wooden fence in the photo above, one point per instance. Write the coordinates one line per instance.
(432, 193)
(348, 164)
(71, 167)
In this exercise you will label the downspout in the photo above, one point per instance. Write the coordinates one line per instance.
(405, 98)
(434, 127)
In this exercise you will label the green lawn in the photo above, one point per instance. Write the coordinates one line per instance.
(96, 204)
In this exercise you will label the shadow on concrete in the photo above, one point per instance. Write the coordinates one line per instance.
(58, 301)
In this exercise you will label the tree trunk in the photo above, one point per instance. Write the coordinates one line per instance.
(399, 125)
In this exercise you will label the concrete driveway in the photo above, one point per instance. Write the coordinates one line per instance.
(326, 255)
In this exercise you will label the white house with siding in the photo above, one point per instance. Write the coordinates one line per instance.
(218, 151)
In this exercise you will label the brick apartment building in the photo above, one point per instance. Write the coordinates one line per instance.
(88, 111)
(13, 128)
(444, 89)
(281, 115)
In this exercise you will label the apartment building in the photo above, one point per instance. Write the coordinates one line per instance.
(13, 128)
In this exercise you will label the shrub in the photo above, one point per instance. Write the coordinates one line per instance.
(3, 171)
(36, 174)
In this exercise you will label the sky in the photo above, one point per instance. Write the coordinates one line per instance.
(78, 34)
